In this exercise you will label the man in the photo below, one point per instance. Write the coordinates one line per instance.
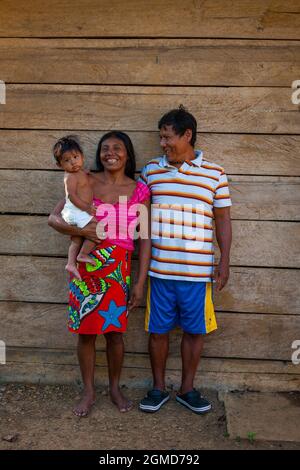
(187, 192)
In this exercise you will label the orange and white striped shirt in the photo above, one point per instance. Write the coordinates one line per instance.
(182, 214)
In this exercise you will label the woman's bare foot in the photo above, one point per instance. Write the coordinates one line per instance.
(72, 269)
(122, 403)
(86, 259)
(83, 408)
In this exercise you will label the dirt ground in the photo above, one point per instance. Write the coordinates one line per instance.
(40, 417)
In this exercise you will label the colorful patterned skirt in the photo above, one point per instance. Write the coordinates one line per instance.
(98, 303)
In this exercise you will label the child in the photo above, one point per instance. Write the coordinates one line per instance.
(78, 209)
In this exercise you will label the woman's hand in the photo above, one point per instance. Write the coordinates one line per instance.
(136, 296)
(89, 232)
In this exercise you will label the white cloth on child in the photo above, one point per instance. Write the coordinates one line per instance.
(75, 216)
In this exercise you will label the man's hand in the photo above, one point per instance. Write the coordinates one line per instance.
(136, 296)
(221, 275)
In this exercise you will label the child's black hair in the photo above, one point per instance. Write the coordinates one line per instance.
(180, 120)
(66, 144)
(130, 164)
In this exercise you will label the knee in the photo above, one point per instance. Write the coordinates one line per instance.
(87, 338)
(159, 337)
(193, 337)
(114, 338)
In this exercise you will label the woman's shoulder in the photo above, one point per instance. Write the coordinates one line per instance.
(142, 192)
(95, 178)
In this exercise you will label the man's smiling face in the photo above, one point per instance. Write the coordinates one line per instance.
(174, 145)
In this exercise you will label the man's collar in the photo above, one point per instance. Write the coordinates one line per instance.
(196, 162)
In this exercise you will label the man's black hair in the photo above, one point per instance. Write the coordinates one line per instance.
(180, 120)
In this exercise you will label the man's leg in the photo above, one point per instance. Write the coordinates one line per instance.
(197, 318)
(191, 350)
(158, 350)
(160, 319)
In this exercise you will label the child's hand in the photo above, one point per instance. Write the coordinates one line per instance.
(92, 210)
(136, 296)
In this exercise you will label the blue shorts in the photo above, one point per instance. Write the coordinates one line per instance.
(172, 303)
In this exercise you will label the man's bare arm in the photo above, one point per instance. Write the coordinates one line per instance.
(224, 237)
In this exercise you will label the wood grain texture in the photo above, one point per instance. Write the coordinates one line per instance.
(138, 108)
(68, 356)
(244, 336)
(115, 18)
(258, 290)
(253, 197)
(239, 154)
(86, 67)
(254, 243)
(150, 62)
(40, 366)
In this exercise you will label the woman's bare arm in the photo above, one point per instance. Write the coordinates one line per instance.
(144, 259)
(56, 221)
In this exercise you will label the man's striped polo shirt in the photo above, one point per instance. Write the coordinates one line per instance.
(182, 215)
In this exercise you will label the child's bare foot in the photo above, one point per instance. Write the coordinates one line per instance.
(122, 403)
(83, 408)
(86, 259)
(72, 269)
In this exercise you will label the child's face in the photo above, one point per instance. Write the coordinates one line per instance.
(72, 161)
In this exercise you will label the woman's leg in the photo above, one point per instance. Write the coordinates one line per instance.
(115, 356)
(87, 358)
(74, 249)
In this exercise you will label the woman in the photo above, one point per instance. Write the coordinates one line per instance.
(98, 303)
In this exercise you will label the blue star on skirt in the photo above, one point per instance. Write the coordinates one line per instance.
(112, 315)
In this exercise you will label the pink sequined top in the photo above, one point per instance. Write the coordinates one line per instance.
(120, 219)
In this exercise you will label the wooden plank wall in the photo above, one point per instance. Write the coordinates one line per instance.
(86, 67)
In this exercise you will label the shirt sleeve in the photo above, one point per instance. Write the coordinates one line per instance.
(143, 178)
(222, 195)
(143, 192)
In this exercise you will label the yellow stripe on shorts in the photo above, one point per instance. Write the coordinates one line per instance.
(147, 314)
(210, 317)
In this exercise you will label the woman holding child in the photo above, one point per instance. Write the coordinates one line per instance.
(98, 297)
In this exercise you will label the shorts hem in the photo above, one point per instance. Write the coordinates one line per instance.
(193, 332)
(77, 332)
(161, 332)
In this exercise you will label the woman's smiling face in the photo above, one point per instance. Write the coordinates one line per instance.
(113, 154)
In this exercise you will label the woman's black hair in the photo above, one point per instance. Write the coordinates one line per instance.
(130, 164)
(180, 120)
